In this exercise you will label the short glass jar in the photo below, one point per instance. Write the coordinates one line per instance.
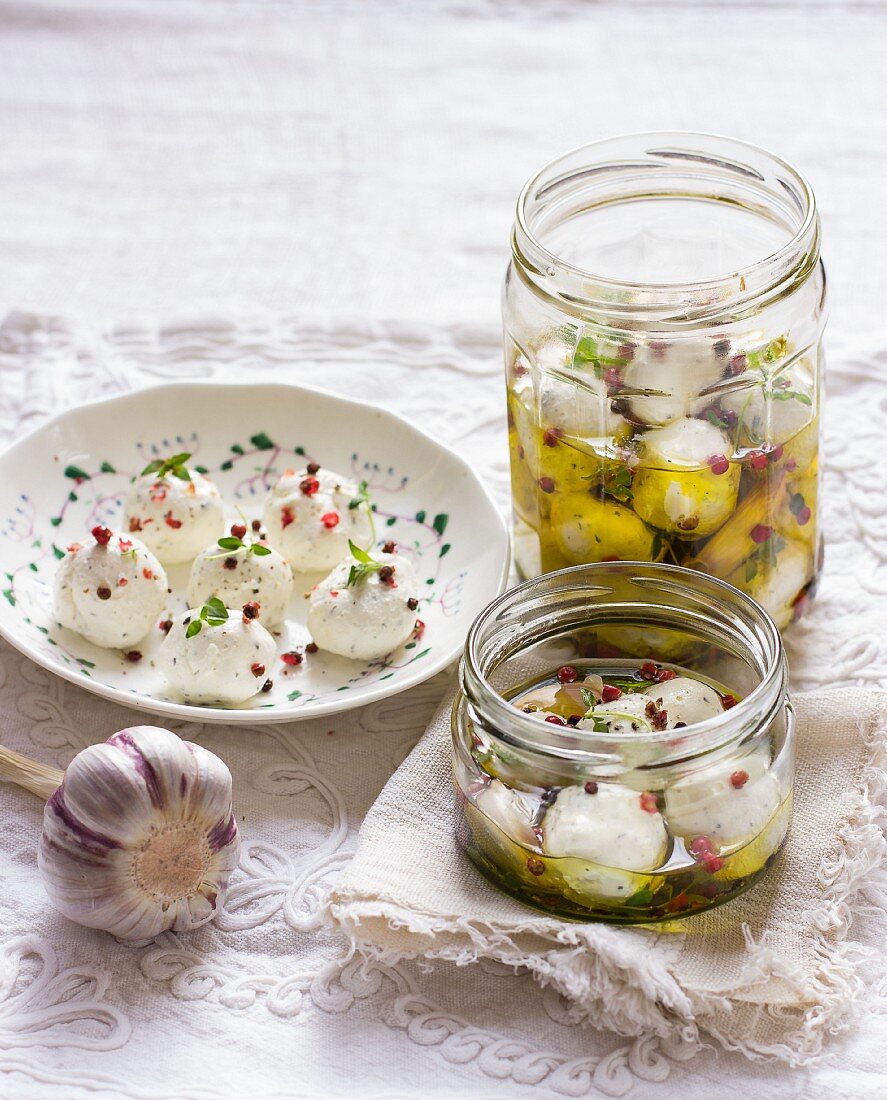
(632, 824)
(663, 315)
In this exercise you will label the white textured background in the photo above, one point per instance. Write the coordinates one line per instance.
(358, 162)
(162, 158)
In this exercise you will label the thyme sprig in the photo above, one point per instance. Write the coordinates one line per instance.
(175, 466)
(364, 565)
(213, 613)
(231, 544)
(363, 498)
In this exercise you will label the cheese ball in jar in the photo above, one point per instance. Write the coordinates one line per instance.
(596, 785)
(663, 319)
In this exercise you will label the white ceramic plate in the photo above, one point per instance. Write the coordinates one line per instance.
(73, 472)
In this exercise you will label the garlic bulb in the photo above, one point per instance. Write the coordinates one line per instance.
(139, 837)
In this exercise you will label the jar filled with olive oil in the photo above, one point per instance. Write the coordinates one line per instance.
(663, 318)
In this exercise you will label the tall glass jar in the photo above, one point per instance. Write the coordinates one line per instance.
(631, 820)
(663, 315)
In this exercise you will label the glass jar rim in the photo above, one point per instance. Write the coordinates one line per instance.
(750, 712)
(789, 264)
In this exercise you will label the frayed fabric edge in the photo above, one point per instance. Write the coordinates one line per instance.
(855, 872)
(619, 995)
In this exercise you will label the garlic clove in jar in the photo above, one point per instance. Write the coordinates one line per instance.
(140, 837)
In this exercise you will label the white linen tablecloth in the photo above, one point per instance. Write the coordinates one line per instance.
(266, 1001)
(357, 164)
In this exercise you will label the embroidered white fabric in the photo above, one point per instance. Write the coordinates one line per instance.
(267, 1001)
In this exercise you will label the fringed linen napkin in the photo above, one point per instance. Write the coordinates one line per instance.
(769, 974)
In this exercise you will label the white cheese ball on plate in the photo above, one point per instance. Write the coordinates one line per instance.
(369, 618)
(608, 825)
(111, 591)
(175, 517)
(226, 663)
(311, 514)
(730, 802)
(685, 701)
(239, 576)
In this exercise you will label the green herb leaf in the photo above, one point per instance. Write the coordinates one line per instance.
(365, 565)
(259, 550)
(360, 555)
(214, 612)
(588, 698)
(175, 466)
(361, 498)
(229, 542)
(791, 395)
(586, 350)
(620, 484)
(194, 627)
(359, 573)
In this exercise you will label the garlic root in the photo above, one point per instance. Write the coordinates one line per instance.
(30, 774)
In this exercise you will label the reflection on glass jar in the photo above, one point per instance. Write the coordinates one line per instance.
(595, 784)
(663, 317)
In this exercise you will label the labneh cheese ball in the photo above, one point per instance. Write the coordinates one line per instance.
(217, 654)
(683, 701)
(366, 607)
(627, 714)
(110, 591)
(607, 824)
(684, 484)
(311, 514)
(237, 571)
(728, 804)
(673, 377)
(175, 510)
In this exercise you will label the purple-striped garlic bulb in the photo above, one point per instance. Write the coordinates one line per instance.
(140, 837)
